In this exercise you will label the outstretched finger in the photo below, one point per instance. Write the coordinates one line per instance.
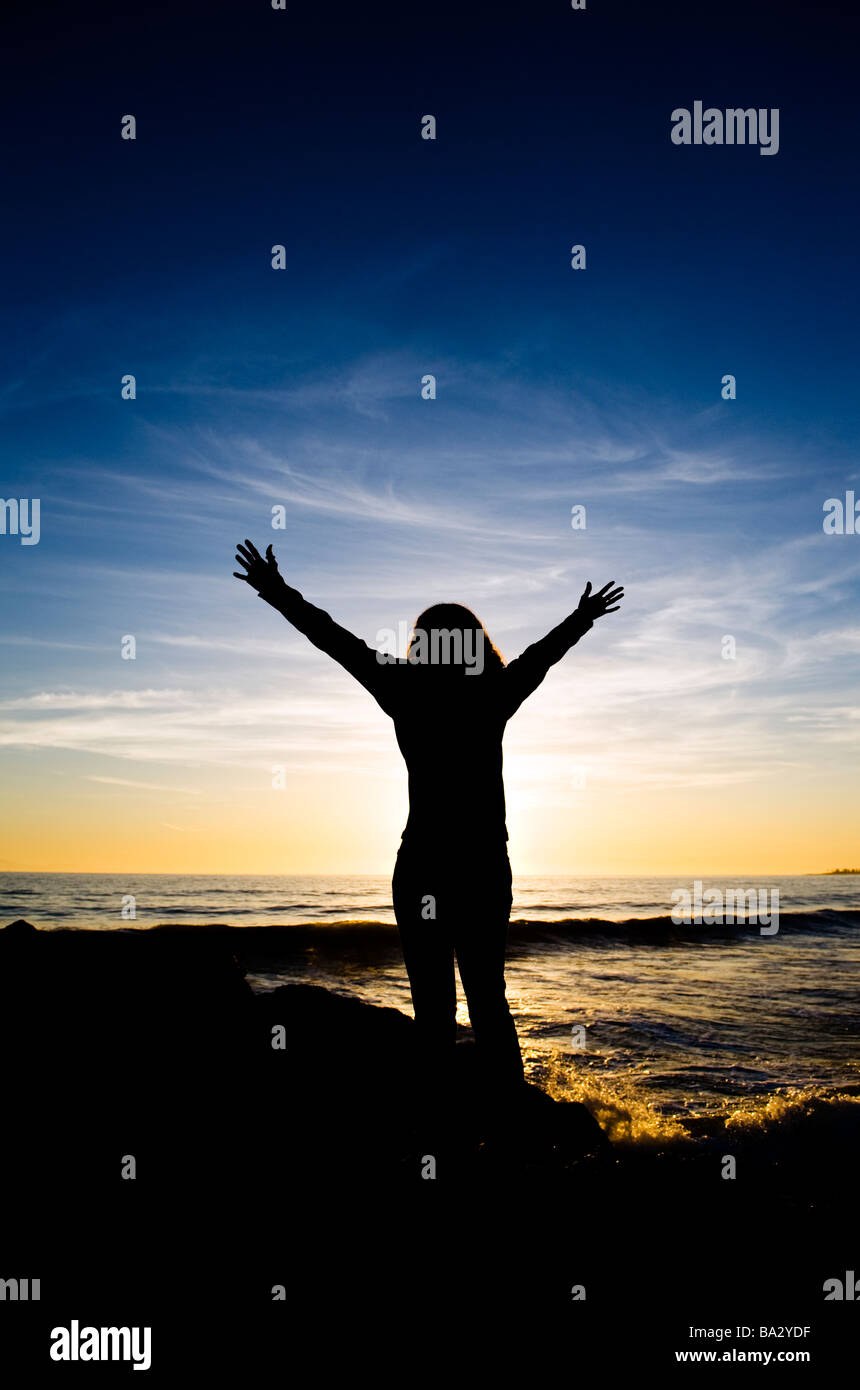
(612, 610)
(587, 590)
(600, 592)
(241, 576)
(241, 560)
(616, 593)
(270, 556)
(253, 549)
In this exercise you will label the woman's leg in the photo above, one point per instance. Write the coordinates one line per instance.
(480, 940)
(428, 952)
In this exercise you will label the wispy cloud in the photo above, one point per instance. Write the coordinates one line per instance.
(393, 502)
(89, 700)
(144, 786)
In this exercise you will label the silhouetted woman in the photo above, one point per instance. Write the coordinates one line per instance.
(450, 700)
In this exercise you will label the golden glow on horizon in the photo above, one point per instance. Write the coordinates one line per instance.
(347, 823)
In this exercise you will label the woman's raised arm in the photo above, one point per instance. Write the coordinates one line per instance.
(524, 674)
(356, 657)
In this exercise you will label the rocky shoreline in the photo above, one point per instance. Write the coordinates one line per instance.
(280, 1144)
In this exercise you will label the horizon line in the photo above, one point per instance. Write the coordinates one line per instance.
(363, 873)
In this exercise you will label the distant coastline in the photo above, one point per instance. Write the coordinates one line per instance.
(843, 871)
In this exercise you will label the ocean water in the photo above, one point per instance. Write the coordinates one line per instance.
(690, 1032)
(96, 900)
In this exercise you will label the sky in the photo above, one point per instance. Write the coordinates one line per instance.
(646, 750)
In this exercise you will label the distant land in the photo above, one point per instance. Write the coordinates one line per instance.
(843, 871)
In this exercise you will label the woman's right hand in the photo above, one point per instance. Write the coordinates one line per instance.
(262, 575)
(606, 600)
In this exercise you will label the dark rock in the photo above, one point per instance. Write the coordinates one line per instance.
(152, 1043)
(19, 928)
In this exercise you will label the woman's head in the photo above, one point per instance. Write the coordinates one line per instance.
(450, 635)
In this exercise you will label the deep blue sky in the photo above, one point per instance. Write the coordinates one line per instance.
(405, 256)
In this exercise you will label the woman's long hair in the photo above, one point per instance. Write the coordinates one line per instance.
(444, 626)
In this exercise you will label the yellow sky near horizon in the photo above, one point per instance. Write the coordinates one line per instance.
(340, 822)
